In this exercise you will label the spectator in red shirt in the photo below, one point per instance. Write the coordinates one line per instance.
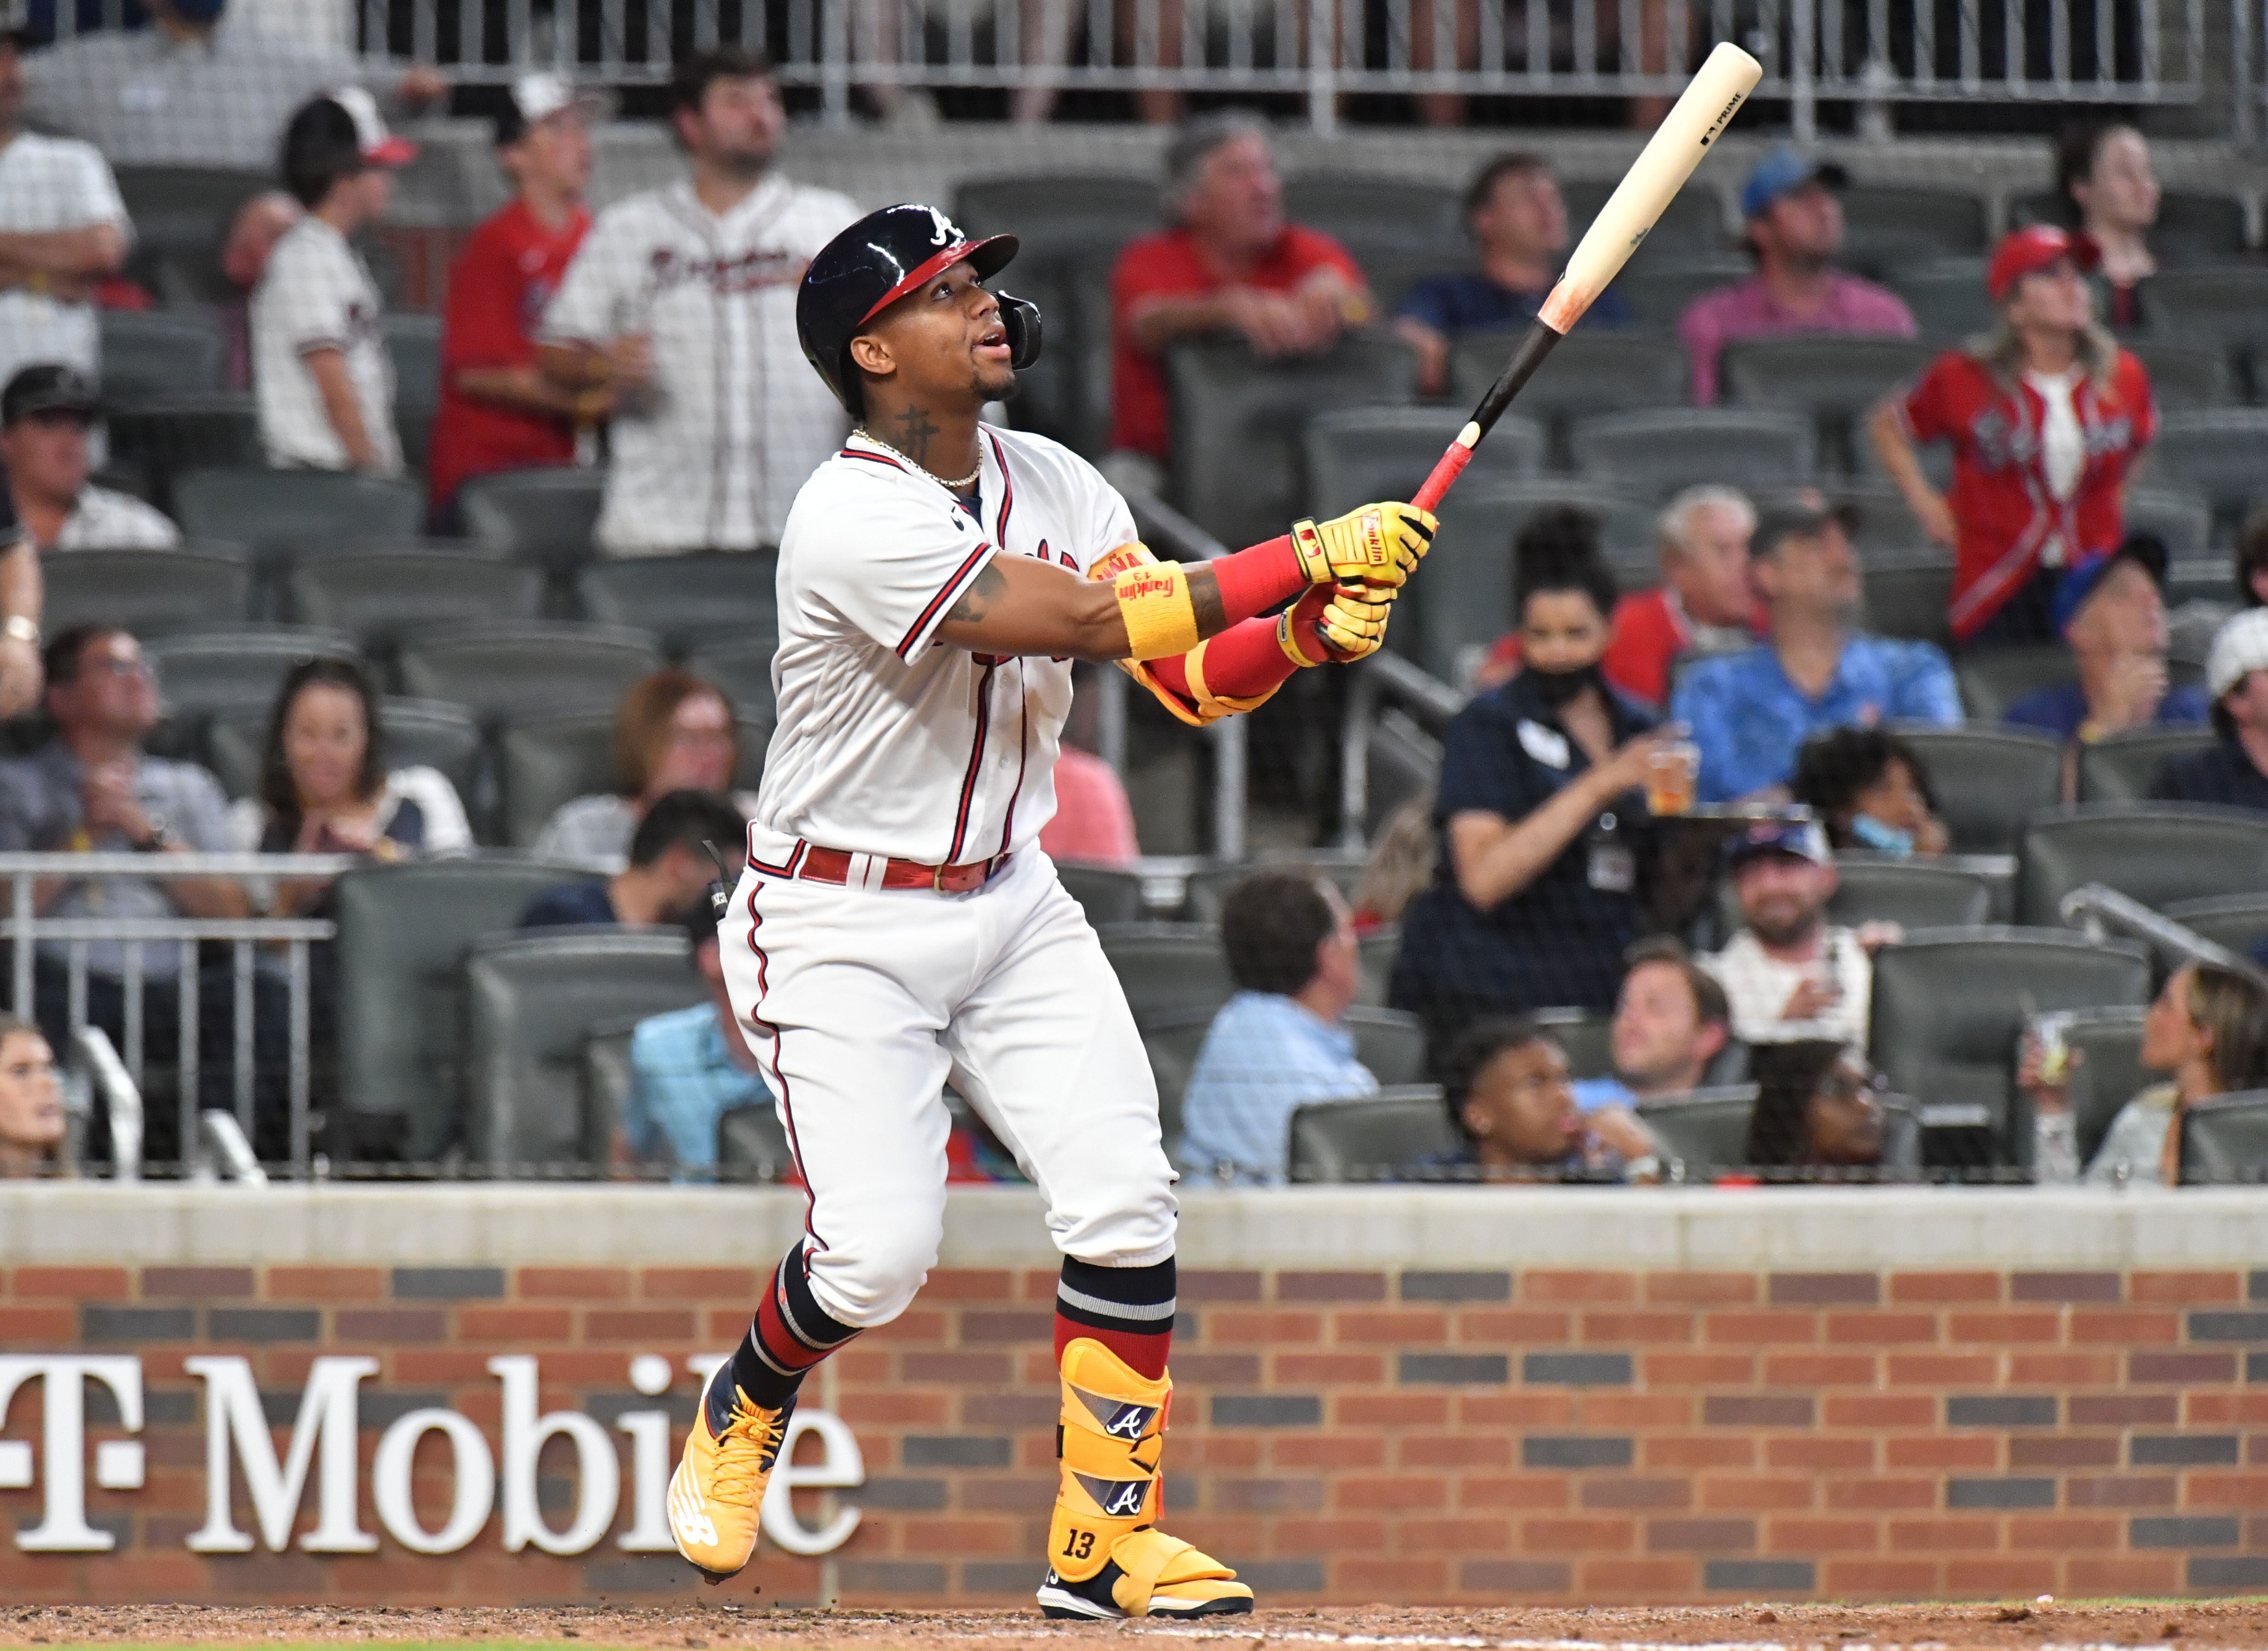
(1793, 216)
(1705, 603)
(1231, 263)
(498, 411)
(2046, 418)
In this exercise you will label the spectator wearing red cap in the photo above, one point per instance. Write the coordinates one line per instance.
(498, 411)
(318, 365)
(2046, 416)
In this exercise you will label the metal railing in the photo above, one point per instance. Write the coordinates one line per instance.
(254, 948)
(1183, 540)
(1382, 680)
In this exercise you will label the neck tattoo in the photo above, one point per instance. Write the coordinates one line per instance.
(915, 427)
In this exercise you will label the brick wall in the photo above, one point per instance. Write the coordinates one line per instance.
(1415, 1435)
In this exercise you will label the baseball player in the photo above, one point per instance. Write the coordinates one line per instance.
(897, 924)
(682, 300)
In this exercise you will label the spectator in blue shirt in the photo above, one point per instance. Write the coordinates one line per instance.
(688, 1069)
(1514, 215)
(1278, 1044)
(1671, 1021)
(668, 868)
(1750, 713)
(2112, 613)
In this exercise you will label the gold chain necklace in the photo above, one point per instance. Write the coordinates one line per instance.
(962, 485)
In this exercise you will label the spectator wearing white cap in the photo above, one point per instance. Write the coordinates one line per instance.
(63, 229)
(44, 413)
(2233, 770)
(498, 411)
(319, 365)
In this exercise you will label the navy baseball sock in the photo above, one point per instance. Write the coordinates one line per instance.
(791, 1334)
(1128, 1309)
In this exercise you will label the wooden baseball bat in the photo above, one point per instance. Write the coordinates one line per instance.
(1718, 88)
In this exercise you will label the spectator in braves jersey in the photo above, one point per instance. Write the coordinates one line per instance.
(44, 414)
(1230, 262)
(498, 411)
(2046, 418)
(62, 228)
(681, 300)
(319, 366)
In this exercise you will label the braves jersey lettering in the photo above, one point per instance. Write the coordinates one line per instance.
(889, 742)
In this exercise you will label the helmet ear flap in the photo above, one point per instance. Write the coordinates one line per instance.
(1020, 318)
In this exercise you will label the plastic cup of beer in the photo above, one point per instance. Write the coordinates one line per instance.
(1670, 777)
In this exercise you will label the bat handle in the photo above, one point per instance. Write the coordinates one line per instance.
(1525, 359)
(1451, 466)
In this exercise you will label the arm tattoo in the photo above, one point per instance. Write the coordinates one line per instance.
(914, 431)
(976, 602)
(1205, 598)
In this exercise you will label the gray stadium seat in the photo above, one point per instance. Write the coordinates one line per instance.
(1204, 889)
(159, 352)
(1993, 679)
(1693, 222)
(1658, 453)
(532, 668)
(1987, 781)
(542, 762)
(2181, 521)
(2225, 1142)
(413, 342)
(1358, 454)
(1169, 969)
(279, 512)
(688, 599)
(1389, 1043)
(380, 596)
(2122, 766)
(1404, 763)
(544, 516)
(1592, 370)
(2106, 1071)
(1906, 595)
(1701, 1133)
(1659, 290)
(742, 668)
(752, 1145)
(181, 215)
(147, 592)
(2215, 453)
(404, 930)
(1880, 523)
(1051, 208)
(1105, 894)
(2194, 228)
(1236, 468)
(1828, 376)
(1946, 295)
(1379, 216)
(1370, 1138)
(2157, 853)
(1586, 1037)
(1172, 1041)
(2200, 578)
(2186, 377)
(163, 436)
(2226, 305)
(419, 733)
(608, 1076)
(206, 669)
(1949, 1006)
(1919, 894)
(1890, 225)
(2239, 922)
(1375, 956)
(530, 1001)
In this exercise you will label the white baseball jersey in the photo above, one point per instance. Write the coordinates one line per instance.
(317, 294)
(889, 742)
(101, 519)
(49, 184)
(710, 454)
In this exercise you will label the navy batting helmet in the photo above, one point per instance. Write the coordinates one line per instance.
(878, 261)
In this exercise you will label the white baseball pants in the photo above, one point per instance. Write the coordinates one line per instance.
(862, 1003)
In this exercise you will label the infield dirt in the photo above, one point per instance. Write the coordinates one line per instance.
(2169, 1625)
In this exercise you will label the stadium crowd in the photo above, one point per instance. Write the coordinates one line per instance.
(1537, 977)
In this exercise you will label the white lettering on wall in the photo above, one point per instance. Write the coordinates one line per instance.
(598, 1483)
(475, 1476)
(63, 1527)
(235, 1424)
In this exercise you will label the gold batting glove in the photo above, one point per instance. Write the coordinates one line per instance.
(1335, 624)
(1376, 545)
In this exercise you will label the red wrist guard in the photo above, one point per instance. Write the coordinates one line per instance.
(1253, 581)
(1243, 662)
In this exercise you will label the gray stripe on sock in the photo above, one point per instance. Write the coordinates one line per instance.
(1095, 1304)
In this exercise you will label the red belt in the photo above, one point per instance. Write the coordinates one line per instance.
(833, 865)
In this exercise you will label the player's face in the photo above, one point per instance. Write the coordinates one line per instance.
(946, 340)
(46, 456)
(738, 124)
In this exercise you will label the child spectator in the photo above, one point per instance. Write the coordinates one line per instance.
(498, 411)
(319, 362)
(1506, 1086)
(1869, 789)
